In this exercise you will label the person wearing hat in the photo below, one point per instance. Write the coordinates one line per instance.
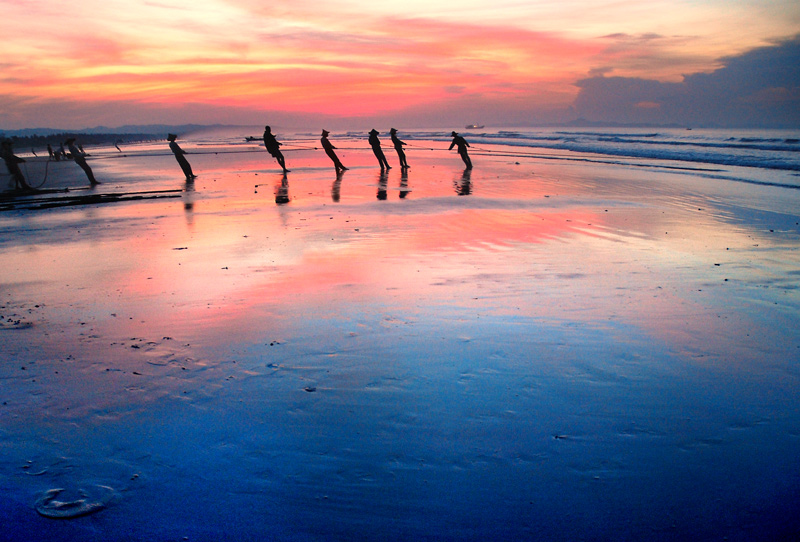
(329, 151)
(398, 146)
(179, 156)
(376, 148)
(273, 147)
(81, 161)
(12, 163)
(462, 145)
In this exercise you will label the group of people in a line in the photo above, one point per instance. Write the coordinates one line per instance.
(273, 147)
(13, 161)
(270, 142)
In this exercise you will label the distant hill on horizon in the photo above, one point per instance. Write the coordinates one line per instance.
(128, 129)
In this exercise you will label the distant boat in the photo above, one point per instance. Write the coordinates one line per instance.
(473, 126)
(251, 138)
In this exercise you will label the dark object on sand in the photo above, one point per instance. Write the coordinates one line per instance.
(35, 202)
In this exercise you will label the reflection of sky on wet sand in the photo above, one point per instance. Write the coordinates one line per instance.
(453, 327)
(525, 238)
(521, 238)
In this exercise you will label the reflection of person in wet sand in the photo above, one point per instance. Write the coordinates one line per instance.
(329, 151)
(179, 156)
(464, 185)
(376, 148)
(336, 190)
(398, 146)
(189, 196)
(404, 184)
(12, 163)
(273, 147)
(383, 183)
(462, 145)
(81, 161)
(282, 191)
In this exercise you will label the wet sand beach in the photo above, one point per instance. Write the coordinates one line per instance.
(540, 348)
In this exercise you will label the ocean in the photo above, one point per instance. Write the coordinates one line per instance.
(769, 156)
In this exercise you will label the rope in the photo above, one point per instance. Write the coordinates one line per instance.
(46, 168)
(293, 148)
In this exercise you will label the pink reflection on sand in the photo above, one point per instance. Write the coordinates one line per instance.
(384, 262)
(515, 243)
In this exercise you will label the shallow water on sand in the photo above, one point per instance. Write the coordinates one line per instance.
(533, 349)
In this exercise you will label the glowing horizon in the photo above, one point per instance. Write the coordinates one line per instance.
(213, 60)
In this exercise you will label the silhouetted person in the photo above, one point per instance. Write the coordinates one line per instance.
(50, 151)
(398, 146)
(376, 148)
(462, 145)
(179, 156)
(81, 161)
(12, 163)
(273, 147)
(329, 151)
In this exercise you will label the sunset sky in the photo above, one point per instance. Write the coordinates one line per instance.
(415, 63)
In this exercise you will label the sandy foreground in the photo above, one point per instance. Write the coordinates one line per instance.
(538, 349)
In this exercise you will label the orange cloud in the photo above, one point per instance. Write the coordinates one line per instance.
(318, 71)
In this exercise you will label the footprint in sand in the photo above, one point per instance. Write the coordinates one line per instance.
(87, 502)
